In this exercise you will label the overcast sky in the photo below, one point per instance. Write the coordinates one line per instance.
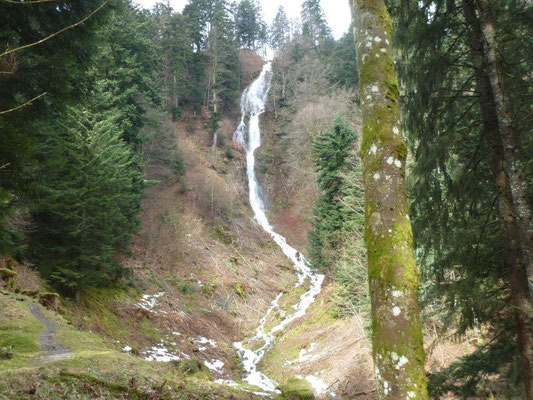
(337, 11)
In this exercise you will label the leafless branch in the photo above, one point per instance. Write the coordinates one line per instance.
(27, 103)
(28, 1)
(55, 33)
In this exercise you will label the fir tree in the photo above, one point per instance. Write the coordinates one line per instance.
(280, 30)
(331, 147)
(89, 190)
(314, 25)
(250, 28)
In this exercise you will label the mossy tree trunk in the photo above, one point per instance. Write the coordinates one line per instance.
(393, 276)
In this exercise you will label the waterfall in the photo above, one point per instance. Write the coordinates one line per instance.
(249, 136)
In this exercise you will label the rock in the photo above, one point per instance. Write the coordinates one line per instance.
(6, 353)
(50, 300)
(8, 276)
(297, 389)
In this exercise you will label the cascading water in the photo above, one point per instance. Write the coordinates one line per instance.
(252, 105)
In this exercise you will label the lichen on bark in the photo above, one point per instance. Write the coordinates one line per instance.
(393, 276)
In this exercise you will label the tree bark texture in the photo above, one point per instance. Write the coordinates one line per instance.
(513, 165)
(515, 262)
(393, 276)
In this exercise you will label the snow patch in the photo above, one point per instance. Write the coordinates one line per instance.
(227, 382)
(215, 365)
(149, 301)
(305, 355)
(160, 353)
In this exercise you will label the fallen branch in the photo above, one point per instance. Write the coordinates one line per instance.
(364, 393)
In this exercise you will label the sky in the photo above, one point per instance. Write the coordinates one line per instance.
(337, 11)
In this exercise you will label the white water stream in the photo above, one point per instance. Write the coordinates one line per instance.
(249, 136)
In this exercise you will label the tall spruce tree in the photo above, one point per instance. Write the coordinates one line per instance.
(280, 30)
(393, 277)
(89, 187)
(213, 33)
(314, 25)
(331, 147)
(48, 71)
(461, 184)
(250, 28)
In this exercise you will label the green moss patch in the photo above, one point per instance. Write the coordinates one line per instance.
(296, 389)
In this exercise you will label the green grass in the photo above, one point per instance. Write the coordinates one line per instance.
(288, 346)
(99, 311)
(96, 369)
(19, 330)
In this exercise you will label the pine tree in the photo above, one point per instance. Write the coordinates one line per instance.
(52, 71)
(89, 188)
(461, 184)
(331, 147)
(314, 25)
(393, 277)
(280, 30)
(250, 28)
(213, 32)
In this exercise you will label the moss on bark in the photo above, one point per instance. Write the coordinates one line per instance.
(393, 277)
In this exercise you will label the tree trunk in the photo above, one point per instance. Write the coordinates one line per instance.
(520, 297)
(393, 276)
(513, 165)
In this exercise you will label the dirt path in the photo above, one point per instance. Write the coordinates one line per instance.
(54, 351)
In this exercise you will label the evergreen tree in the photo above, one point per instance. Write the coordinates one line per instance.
(88, 186)
(332, 147)
(213, 32)
(280, 30)
(50, 71)
(393, 277)
(314, 25)
(461, 183)
(250, 28)
(126, 63)
(343, 61)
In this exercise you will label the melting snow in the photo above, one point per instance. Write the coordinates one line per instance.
(305, 353)
(215, 365)
(161, 354)
(200, 341)
(148, 301)
(227, 382)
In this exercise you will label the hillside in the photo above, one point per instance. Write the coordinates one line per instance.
(231, 199)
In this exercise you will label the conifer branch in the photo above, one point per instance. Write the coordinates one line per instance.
(27, 103)
(55, 33)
